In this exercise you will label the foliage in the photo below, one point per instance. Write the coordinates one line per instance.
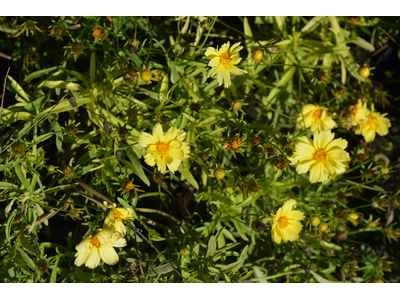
(85, 88)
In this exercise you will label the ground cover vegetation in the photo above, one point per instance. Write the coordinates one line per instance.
(199, 149)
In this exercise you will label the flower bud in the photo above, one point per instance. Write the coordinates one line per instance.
(258, 54)
(237, 105)
(146, 75)
(323, 226)
(219, 173)
(42, 265)
(255, 140)
(18, 148)
(128, 185)
(74, 213)
(68, 171)
(236, 144)
(364, 72)
(315, 220)
(132, 113)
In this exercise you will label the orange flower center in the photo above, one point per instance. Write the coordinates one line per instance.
(95, 242)
(128, 186)
(371, 120)
(320, 155)
(236, 143)
(225, 58)
(317, 114)
(97, 33)
(117, 215)
(162, 148)
(283, 222)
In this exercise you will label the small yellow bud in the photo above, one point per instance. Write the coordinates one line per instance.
(219, 173)
(364, 72)
(315, 221)
(146, 75)
(323, 227)
(258, 54)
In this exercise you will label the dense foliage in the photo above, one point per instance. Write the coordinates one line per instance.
(179, 143)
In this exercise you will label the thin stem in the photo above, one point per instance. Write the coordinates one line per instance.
(4, 91)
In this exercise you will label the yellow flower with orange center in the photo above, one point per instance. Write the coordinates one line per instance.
(316, 117)
(324, 156)
(165, 150)
(223, 61)
(376, 124)
(359, 113)
(286, 223)
(115, 217)
(99, 246)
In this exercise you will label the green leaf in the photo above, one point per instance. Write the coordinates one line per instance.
(61, 84)
(9, 224)
(239, 228)
(188, 175)
(163, 269)
(22, 178)
(174, 73)
(163, 90)
(92, 68)
(137, 166)
(26, 258)
(212, 246)
(39, 73)
(284, 80)
(19, 90)
(362, 43)
(53, 277)
(321, 279)
(312, 24)
(7, 185)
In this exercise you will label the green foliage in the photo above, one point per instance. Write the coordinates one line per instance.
(74, 111)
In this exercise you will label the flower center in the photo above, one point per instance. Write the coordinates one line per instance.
(117, 215)
(320, 155)
(283, 222)
(371, 120)
(162, 148)
(95, 242)
(317, 114)
(225, 58)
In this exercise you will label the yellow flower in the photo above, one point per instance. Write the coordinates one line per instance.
(286, 223)
(377, 123)
(324, 156)
(317, 117)
(165, 150)
(223, 61)
(359, 113)
(91, 249)
(115, 217)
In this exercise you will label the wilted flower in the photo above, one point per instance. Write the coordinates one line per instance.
(316, 117)
(115, 217)
(377, 124)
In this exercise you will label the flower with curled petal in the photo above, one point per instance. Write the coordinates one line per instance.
(99, 246)
(223, 61)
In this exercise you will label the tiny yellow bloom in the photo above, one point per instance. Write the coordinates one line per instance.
(286, 223)
(317, 117)
(99, 246)
(359, 113)
(377, 124)
(115, 217)
(165, 150)
(324, 156)
(223, 61)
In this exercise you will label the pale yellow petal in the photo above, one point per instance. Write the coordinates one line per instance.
(108, 255)
(93, 259)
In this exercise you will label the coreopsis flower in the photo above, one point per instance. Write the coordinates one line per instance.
(99, 246)
(115, 217)
(324, 156)
(165, 150)
(377, 124)
(359, 113)
(223, 61)
(316, 117)
(286, 223)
